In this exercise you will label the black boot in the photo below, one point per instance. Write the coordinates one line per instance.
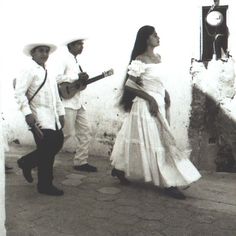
(50, 190)
(120, 175)
(25, 170)
(175, 193)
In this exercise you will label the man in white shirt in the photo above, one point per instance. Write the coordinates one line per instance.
(37, 96)
(77, 126)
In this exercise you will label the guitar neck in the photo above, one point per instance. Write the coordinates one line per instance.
(89, 81)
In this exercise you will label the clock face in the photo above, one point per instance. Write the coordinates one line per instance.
(214, 18)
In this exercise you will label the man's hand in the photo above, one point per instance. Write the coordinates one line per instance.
(62, 121)
(38, 132)
(30, 120)
(83, 76)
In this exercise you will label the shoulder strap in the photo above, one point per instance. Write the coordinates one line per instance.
(45, 77)
(80, 68)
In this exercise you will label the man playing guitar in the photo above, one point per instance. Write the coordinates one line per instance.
(77, 128)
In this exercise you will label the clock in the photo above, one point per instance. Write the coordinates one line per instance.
(214, 18)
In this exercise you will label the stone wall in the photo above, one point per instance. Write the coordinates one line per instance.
(212, 129)
(202, 137)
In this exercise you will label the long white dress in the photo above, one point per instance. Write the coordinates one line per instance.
(145, 147)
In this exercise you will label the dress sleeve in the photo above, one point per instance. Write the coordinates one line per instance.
(136, 68)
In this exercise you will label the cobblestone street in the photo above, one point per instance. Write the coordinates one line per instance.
(95, 204)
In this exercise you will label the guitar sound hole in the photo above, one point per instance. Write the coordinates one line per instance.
(67, 90)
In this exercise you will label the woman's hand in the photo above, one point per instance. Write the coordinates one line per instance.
(153, 106)
(167, 99)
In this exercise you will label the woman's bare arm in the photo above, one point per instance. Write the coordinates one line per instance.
(153, 106)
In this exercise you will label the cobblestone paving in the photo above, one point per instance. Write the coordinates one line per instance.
(95, 204)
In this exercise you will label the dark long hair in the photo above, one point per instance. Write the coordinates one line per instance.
(139, 48)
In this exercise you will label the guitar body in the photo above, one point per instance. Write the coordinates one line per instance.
(67, 90)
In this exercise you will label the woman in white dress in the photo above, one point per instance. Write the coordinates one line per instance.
(145, 147)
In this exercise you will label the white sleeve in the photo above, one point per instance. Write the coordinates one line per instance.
(59, 104)
(23, 82)
(60, 69)
(61, 75)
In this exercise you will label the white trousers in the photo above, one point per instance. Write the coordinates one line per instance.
(77, 134)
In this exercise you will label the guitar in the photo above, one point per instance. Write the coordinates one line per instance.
(67, 90)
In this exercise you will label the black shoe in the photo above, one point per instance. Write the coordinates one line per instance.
(51, 190)
(25, 170)
(175, 193)
(86, 167)
(120, 175)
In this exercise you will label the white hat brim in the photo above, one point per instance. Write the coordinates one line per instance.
(74, 39)
(28, 48)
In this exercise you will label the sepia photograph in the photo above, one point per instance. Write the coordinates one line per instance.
(118, 118)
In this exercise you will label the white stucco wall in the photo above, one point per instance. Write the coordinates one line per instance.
(112, 28)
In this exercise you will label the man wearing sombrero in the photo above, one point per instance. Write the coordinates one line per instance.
(37, 96)
(77, 127)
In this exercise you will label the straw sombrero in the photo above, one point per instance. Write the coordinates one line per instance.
(28, 48)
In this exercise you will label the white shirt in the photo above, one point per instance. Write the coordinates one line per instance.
(66, 69)
(46, 106)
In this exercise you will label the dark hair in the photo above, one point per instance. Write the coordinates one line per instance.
(139, 48)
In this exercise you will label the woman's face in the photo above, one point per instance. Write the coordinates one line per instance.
(153, 40)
